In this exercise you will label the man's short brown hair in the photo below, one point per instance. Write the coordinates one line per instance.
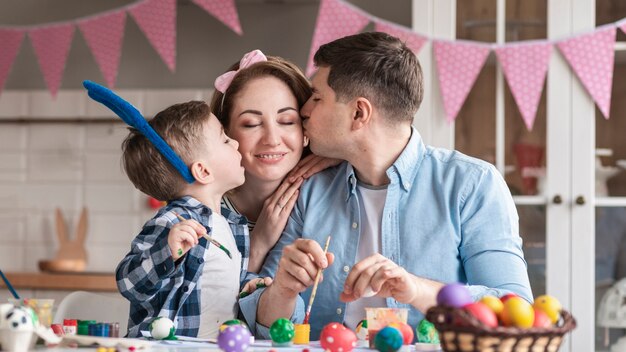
(376, 66)
(181, 126)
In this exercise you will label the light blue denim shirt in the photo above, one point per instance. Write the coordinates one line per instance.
(447, 217)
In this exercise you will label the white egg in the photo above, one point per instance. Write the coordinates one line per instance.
(161, 328)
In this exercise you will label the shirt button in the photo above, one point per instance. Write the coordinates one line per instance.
(185, 288)
(407, 185)
(354, 225)
(338, 311)
(200, 260)
(346, 268)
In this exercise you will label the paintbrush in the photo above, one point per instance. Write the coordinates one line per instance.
(209, 238)
(9, 286)
(317, 281)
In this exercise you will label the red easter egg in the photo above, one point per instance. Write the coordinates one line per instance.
(337, 338)
(507, 296)
(541, 319)
(405, 330)
(483, 313)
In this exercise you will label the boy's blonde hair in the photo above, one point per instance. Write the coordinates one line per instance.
(181, 126)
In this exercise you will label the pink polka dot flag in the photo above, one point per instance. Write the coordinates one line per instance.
(157, 20)
(413, 40)
(103, 35)
(591, 57)
(525, 66)
(334, 20)
(11, 40)
(458, 66)
(223, 10)
(52, 45)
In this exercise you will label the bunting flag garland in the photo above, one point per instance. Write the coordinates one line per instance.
(157, 20)
(591, 57)
(335, 20)
(525, 66)
(52, 45)
(223, 10)
(413, 40)
(458, 65)
(11, 41)
(103, 35)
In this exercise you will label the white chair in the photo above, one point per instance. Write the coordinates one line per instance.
(92, 306)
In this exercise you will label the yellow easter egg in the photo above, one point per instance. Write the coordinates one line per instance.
(549, 305)
(494, 303)
(517, 312)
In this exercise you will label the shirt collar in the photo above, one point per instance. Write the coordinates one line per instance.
(405, 166)
(194, 204)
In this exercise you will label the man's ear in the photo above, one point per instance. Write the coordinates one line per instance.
(201, 172)
(362, 113)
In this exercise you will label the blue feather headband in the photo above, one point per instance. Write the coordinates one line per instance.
(127, 112)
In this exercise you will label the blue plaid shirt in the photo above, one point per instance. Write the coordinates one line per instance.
(155, 285)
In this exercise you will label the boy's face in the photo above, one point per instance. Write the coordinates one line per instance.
(222, 156)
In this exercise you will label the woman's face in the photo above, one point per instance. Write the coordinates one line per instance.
(266, 122)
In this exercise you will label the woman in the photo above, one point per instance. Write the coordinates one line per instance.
(258, 102)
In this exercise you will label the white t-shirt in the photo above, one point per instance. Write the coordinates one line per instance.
(372, 202)
(219, 283)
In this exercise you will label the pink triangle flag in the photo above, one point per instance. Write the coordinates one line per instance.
(11, 40)
(157, 20)
(223, 10)
(52, 45)
(104, 37)
(458, 66)
(413, 40)
(591, 57)
(525, 66)
(334, 20)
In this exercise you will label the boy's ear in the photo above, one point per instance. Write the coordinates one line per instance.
(201, 172)
(362, 113)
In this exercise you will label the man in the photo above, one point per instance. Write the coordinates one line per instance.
(405, 218)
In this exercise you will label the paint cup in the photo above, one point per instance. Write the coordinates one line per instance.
(379, 317)
(303, 332)
(41, 306)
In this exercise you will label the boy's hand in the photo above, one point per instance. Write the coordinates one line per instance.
(183, 236)
(253, 284)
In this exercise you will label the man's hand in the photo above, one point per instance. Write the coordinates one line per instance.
(183, 236)
(377, 275)
(296, 271)
(298, 266)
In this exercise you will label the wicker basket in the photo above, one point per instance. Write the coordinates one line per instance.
(461, 331)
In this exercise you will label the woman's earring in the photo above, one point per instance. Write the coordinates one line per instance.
(306, 141)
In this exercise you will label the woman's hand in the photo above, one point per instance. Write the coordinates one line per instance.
(310, 165)
(271, 221)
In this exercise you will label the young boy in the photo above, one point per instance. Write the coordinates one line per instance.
(172, 270)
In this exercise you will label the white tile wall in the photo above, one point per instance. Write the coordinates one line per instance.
(69, 165)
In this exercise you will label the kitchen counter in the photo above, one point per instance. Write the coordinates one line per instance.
(103, 282)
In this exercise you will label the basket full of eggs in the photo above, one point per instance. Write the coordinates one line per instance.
(509, 323)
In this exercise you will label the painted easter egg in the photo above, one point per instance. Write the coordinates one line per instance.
(454, 295)
(361, 330)
(494, 303)
(406, 330)
(388, 339)
(426, 332)
(162, 328)
(518, 312)
(337, 338)
(234, 338)
(483, 313)
(230, 322)
(541, 319)
(282, 332)
(549, 305)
